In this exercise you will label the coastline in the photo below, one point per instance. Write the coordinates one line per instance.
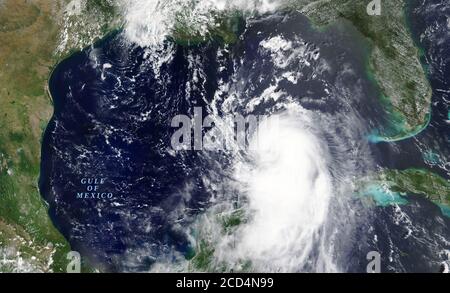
(86, 267)
(375, 138)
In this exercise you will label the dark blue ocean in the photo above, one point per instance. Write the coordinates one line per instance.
(116, 191)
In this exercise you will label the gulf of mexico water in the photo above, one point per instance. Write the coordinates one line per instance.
(127, 202)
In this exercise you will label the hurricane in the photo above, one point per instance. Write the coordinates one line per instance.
(299, 197)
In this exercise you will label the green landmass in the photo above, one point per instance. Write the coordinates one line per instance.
(202, 258)
(419, 182)
(225, 30)
(30, 35)
(84, 22)
(393, 65)
(36, 34)
(394, 61)
(380, 193)
(395, 186)
(202, 261)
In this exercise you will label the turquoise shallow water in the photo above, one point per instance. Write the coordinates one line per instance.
(375, 136)
(98, 132)
(431, 157)
(426, 147)
(143, 176)
(445, 210)
(396, 131)
(383, 196)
